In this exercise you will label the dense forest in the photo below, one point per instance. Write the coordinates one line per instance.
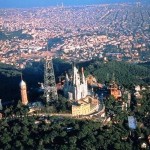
(124, 73)
(60, 133)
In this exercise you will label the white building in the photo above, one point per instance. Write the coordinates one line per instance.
(75, 88)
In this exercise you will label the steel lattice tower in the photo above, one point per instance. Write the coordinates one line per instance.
(50, 90)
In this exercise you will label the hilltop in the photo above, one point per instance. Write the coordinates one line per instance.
(125, 74)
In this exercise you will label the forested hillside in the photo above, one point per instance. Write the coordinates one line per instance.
(125, 74)
(33, 74)
(32, 132)
(62, 134)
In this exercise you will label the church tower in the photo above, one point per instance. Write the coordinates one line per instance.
(23, 89)
(75, 88)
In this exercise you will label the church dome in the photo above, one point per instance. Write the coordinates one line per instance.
(22, 83)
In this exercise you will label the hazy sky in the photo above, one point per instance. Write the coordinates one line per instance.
(39, 3)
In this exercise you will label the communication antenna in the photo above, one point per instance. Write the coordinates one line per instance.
(50, 90)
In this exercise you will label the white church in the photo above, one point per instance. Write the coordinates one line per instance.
(75, 88)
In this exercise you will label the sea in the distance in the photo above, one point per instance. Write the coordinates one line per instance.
(46, 3)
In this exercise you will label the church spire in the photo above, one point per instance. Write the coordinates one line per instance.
(75, 71)
(67, 78)
(83, 77)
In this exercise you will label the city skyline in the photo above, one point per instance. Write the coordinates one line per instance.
(46, 3)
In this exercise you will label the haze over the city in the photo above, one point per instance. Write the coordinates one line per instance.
(45, 3)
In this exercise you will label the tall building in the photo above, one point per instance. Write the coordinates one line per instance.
(23, 89)
(75, 88)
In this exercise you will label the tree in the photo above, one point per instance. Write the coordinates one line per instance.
(15, 129)
(18, 145)
(6, 138)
